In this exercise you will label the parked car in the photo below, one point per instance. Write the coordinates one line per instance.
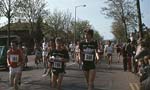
(3, 57)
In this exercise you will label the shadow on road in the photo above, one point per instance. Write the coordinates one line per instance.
(72, 76)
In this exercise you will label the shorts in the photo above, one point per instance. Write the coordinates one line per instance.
(58, 73)
(14, 70)
(109, 54)
(44, 53)
(87, 67)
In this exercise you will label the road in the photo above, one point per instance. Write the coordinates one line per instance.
(113, 78)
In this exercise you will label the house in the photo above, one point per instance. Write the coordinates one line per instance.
(21, 30)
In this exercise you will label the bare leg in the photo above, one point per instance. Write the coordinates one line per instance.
(17, 76)
(92, 74)
(54, 80)
(86, 73)
(59, 82)
(11, 79)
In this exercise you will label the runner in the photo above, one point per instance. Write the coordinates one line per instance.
(51, 47)
(72, 50)
(59, 57)
(25, 54)
(14, 61)
(23, 62)
(44, 55)
(88, 55)
(118, 51)
(100, 49)
(109, 51)
(38, 55)
(77, 52)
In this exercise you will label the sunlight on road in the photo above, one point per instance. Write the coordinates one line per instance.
(134, 86)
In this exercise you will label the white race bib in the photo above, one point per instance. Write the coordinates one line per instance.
(57, 65)
(89, 57)
(45, 53)
(14, 58)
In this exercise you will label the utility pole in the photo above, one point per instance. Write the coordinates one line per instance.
(9, 17)
(75, 20)
(139, 19)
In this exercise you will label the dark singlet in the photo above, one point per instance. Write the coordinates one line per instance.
(88, 54)
(57, 65)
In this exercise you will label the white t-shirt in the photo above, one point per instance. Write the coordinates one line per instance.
(44, 46)
(109, 50)
(77, 50)
(72, 47)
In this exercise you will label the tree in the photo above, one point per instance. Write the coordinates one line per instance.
(122, 10)
(8, 9)
(32, 10)
(38, 31)
(117, 30)
(97, 36)
(81, 25)
(59, 24)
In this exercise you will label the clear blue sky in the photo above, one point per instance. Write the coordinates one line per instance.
(92, 13)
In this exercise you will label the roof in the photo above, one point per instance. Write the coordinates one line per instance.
(16, 26)
(11, 36)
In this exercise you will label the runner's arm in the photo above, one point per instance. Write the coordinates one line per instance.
(8, 62)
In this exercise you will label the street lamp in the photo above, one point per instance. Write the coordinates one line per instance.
(75, 21)
(139, 19)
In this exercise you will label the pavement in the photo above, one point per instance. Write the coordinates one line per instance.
(113, 78)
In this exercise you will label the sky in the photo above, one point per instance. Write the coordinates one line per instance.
(92, 13)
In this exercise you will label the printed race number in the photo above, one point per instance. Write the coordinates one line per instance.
(57, 65)
(14, 58)
(88, 57)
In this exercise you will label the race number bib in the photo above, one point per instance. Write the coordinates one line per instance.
(88, 57)
(14, 58)
(45, 53)
(57, 65)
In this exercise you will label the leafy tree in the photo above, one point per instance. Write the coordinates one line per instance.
(59, 24)
(38, 32)
(81, 25)
(124, 11)
(97, 36)
(32, 10)
(117, 30)
(8, 9)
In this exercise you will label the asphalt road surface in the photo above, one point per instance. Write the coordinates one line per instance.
(113, 78)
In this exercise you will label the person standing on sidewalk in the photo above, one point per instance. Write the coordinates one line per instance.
(89, 56)
(129, 54)
(14, 61)
(124, 55)
(58, 58)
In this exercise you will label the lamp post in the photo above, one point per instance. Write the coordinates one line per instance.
(139, 19)
(75, 21)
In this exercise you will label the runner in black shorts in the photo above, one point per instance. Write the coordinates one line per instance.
(89, 56)
(59, 57)
(118, 50)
